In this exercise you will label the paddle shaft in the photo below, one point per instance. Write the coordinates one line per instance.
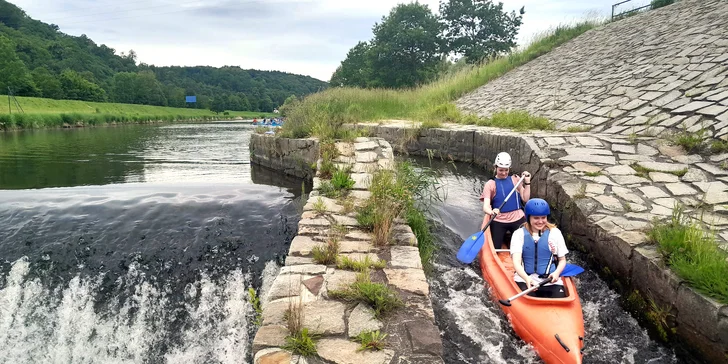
(508, 301)
(504, 202)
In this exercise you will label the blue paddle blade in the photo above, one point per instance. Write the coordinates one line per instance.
(571, 270)
(471, 247)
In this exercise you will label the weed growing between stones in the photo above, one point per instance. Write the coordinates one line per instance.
(691, 142)
(517, 120)
(693, 253)
(260, 129)
(341, 180)
(328, 153)
(326, 253)
(645, 172)
(649, 311)
(347, 263)
(378, 296)
(319, 206)
(593, 174)
(719, 146)
(371, 340)
(581, 193)
(322, 114)
(255, 302)
(347, 203)
(299, 341)
(429, 124)
(578, 129)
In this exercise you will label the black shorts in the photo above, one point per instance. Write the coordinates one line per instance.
(552, 291)
(498, 231)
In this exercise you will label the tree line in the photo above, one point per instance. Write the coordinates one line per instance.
(36, 59)
(412, 45)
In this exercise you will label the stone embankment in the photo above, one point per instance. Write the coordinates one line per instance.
(652, 74)
(605, 190)
(412, 334)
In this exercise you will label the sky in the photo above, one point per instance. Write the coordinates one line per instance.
(308, 37)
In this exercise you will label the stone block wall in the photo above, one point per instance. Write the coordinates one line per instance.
(598, 198)
(413, 336)
(295, 157)
(655, 73)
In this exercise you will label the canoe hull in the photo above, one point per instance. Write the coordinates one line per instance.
(537, 321)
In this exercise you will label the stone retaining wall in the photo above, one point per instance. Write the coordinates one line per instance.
(295, 157)
(604, 206)
(413, 336)
(655, 73)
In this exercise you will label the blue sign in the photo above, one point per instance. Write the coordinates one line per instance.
(190, 98)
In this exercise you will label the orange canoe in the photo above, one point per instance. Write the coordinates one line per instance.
(553, 326)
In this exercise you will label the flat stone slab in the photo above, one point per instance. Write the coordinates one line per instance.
(285, 286)
(360, 195)
(622, 148)
(600, 159)
(663, 167)
(302, 245)
(610, 203)
(274, 312)
(309, 269)
(356, 247)
(342, 351)
(339, 279)
(325, 317)
(667, 202)
(405, 257)
(714, 170)
(366, 146)
(680, 189)
(362, 181)
(585, 167)
(314, 222)
(314, 284)
(361, 320)
(366, 157)
(272, 356)
(629, 180)
(365, 168)
(361, 256)
(627, 194)
(694, 175)
(620, 170)
(424, 337)
(330, 204)
(664, 177)
(359, 235)
(293, 260)
(270, 336)
(595, 188)
(410, 280)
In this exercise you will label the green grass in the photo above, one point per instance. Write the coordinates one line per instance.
(302, 343)
(323, 113)
(578, 129)
(40, 113)
(719, 146)
(691, 142)
(255, 302)
(378, 296)
(326, 254)
(347, 263)
(693, 253)
(371, 340)
(593, 174)
(645, 172)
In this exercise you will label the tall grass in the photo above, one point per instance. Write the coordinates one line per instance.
(693, 253)
(323, 113)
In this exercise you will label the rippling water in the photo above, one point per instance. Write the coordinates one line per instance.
(136, 244)
(475, 329)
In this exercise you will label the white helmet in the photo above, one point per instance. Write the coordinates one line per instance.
(503, 160)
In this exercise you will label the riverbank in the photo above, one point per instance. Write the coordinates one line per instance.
(50, 113)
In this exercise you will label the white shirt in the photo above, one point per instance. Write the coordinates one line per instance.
(556, 243)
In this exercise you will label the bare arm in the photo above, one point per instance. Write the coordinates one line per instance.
(559, 268)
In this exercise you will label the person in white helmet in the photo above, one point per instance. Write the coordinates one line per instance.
(511, 216)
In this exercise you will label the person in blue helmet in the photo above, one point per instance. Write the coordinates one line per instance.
(539, 252)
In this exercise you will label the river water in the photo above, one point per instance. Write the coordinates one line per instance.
(475, 329)
(137, 244)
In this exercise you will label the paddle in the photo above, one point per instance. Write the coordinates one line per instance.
(471, 246)
(570, 270)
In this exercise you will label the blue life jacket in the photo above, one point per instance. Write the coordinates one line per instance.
(502, 188)
(536, 256)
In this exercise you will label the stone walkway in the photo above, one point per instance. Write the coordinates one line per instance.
(413, 336)
(652, 74)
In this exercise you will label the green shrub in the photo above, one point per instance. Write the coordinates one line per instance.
(660, 3)
(378, 296)
(342, 180)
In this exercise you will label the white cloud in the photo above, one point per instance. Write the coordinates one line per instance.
(309, 37)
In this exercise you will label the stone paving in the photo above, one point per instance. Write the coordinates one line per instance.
(413, 335)
(653, 74)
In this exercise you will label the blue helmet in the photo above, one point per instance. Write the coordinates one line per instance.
(537, 207)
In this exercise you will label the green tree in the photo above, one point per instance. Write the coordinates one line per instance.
(13, 73)
(266, 104)
(217, 105)
(76, 87)
(478, 29)
(406, 47)
(47, 83)
(356, 69)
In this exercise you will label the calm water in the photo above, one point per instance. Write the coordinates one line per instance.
(475, 329)
(136, 244)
